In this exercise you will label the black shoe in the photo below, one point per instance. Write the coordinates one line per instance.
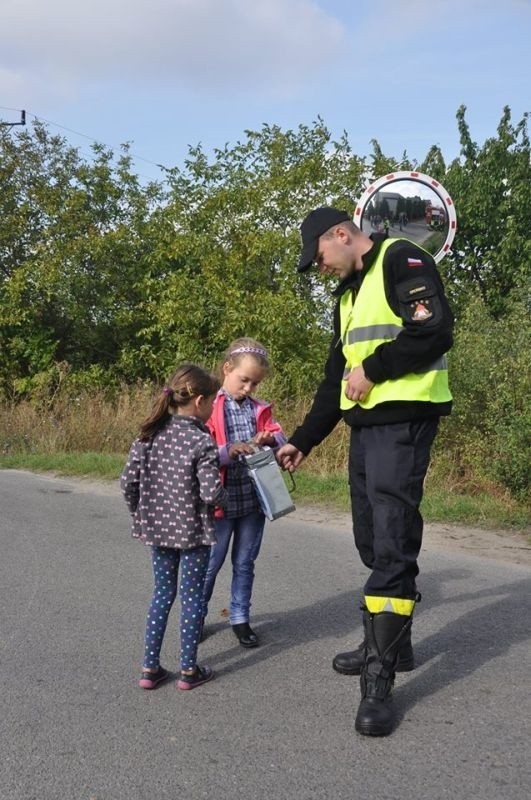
(350, 663)
(375, 716)
(245, 635)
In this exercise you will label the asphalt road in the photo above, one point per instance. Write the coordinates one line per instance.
(276, 722)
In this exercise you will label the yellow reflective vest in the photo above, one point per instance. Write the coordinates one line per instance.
(368, 321)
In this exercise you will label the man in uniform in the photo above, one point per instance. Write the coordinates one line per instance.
(386, 376)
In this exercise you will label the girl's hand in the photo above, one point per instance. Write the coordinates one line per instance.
(239, 449)
(264, 438)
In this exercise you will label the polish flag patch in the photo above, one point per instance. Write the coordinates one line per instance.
(414, 262)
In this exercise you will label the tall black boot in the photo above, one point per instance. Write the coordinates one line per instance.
(385, 633)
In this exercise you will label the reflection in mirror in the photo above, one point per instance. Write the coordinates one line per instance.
(411, 208)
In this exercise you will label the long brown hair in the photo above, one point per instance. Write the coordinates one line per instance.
(188, 381)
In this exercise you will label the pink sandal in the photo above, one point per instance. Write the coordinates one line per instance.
(150, 680)
(197, 678)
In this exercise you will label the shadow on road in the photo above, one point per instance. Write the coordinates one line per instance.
(457, 649)
(469, 641)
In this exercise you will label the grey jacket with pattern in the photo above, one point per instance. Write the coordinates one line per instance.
(171, 484)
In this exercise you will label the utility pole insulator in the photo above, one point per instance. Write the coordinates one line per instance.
(12, 124)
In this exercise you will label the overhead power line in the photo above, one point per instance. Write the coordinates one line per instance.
(76, 133)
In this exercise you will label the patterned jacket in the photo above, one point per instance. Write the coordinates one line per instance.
(171, 484)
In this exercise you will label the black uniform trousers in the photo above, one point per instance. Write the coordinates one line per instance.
(387, 467)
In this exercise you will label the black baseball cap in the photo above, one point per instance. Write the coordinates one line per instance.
(314, 225)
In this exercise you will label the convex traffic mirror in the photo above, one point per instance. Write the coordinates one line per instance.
(412, 206)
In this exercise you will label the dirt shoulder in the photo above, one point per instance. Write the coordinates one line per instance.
(501, 545)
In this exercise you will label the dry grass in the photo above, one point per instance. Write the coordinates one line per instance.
(84, 423)
(93, 425)
(93, 422)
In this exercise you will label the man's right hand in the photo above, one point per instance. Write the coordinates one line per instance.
(289, 457)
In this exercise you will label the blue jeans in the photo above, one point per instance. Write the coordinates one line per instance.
(248, 531)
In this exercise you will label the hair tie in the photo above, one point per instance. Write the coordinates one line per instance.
(167, 391)
(258, 350)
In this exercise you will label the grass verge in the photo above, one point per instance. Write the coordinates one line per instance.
(99, 466)
(440, 504)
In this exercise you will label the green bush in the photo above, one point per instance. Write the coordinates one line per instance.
(489, 432)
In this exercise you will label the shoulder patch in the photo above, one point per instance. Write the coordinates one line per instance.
(418, 300)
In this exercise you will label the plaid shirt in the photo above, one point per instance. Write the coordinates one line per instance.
(240, 424)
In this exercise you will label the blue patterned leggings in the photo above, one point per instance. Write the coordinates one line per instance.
(194, 565)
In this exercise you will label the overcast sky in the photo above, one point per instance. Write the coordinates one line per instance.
(166, 74)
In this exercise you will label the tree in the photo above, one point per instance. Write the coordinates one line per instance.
(491, 188)
(97, 270)
(229, 244)
(73, 243)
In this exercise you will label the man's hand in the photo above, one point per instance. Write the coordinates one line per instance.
(358, 385)
(289, 457)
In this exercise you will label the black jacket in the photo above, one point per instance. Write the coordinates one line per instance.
(410, 277)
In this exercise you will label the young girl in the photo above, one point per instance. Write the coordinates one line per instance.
(237, 419)
(171, 483)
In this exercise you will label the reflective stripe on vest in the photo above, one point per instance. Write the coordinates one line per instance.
(440, 364)
(367, 322)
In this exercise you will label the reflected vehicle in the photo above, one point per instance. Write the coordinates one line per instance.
(409, 205)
